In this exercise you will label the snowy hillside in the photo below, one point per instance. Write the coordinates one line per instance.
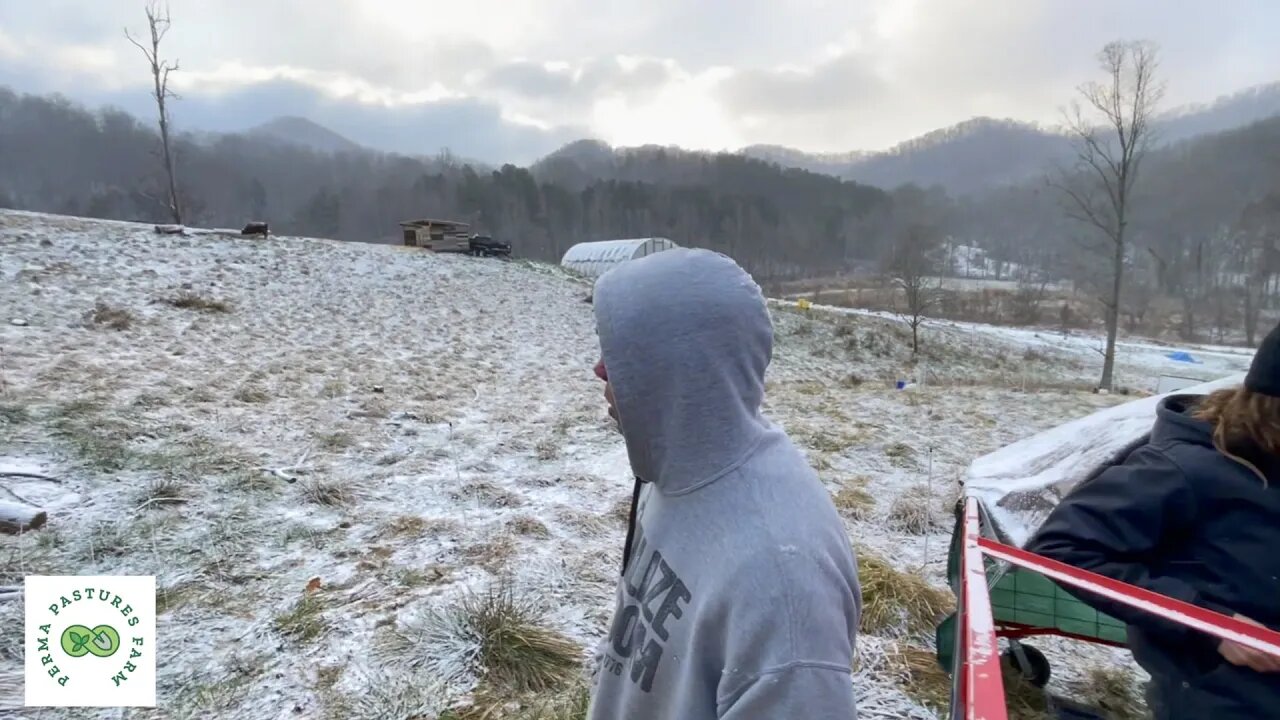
(443, 432)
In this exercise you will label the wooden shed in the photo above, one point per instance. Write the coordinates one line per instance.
(437, 235)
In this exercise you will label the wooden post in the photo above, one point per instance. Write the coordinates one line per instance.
(15, 518)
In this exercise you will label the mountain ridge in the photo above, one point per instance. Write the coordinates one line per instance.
(303, 132)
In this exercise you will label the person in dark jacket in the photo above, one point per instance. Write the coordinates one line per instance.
(1194, 514)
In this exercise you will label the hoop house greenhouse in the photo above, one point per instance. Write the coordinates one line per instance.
(594, 259)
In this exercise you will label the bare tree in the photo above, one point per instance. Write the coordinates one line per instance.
(1112, 136)
(158, 22)
(1260, 257)
(914, 263)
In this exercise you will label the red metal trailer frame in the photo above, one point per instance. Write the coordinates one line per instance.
(978, 693)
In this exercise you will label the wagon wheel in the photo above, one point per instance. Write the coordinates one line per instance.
(1029, 662)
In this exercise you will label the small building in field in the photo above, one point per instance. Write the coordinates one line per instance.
(594, 259)
(437, 235)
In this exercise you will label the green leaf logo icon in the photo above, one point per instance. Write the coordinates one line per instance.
(101, 641)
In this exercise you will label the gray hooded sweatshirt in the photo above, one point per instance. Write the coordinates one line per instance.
(739, 598)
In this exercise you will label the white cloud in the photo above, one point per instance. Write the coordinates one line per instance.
(815, 74)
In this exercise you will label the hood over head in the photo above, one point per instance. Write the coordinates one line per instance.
(686, 337)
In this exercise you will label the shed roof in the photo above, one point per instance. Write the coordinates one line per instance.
(428, 221)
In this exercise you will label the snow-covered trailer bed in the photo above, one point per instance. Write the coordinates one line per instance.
(1015, 488)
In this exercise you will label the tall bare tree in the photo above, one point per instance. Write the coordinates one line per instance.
(158, 23)
(914, 264)
(1113, 132)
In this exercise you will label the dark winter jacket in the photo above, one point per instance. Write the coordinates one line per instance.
(1182, 519)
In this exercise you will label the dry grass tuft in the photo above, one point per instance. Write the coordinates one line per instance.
(916, 511)
(926, 682)
(327, 492)
(622, 510)
(828, 442)
(853, 500)
(497, 635)
(548, 450)
(303, 622)
(333, 389)
(896, 600)
(161, 492)
(337, 441)
(112, 317)
(174, 597)
(188, 300)
(901, 455)
(411, 526)
(488, 494)
(516, 651)
(921, 676)
(1114, 691)
(528, 525)
(568, 704)
(251, 394)
(492, 554)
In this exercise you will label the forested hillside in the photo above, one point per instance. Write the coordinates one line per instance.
(63, 158)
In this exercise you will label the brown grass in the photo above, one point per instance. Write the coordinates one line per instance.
(548, 450)
(1113, 690)
(916, 511)
(327, 492)
(518, 655)
(337, 441)
(901, 454)
(406, 526)
(188, 300)
(251, 394)
(894, 600)
(528, 525)
(570, 703)
(161, 492)
(492, 555)
(112, 317)
(922, 677)
(926, 682)
(489, 494)
(853, 500)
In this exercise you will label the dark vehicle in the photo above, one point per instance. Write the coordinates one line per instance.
(484, 246)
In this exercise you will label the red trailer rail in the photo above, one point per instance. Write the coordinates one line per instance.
(979, 686)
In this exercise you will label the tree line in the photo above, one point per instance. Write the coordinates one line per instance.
(63, 158)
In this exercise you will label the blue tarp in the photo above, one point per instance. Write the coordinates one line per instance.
(1182, 357)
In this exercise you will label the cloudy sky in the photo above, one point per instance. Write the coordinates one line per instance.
(510, 80)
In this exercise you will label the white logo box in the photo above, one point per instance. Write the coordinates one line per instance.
(109, 656)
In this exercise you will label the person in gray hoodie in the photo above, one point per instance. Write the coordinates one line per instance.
(739, 595)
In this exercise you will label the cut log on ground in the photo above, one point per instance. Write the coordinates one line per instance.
(28, 476)
(15, 518)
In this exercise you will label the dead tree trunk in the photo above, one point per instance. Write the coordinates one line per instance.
(158, 23)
